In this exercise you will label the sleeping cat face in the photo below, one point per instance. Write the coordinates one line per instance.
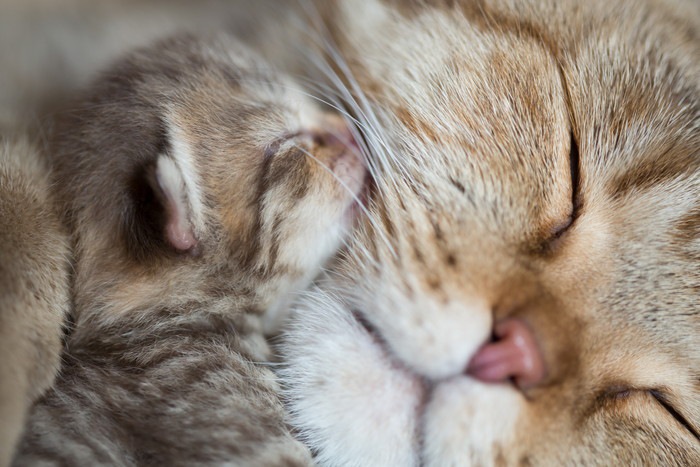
(192, 171)
(524, 290)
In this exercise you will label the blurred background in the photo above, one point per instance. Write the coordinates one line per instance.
(50, 48)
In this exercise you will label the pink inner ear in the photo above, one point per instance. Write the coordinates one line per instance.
(178, 230)
(179, 233)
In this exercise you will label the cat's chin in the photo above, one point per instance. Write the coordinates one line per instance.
(354, 403)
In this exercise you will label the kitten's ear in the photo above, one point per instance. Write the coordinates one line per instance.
(177, 199)
(166, 212)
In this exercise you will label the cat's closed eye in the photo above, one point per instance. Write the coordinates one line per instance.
(662, 399)
(565, 224)
(618, 394)
(552, 149)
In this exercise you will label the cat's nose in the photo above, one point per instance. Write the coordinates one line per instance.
(513, 354)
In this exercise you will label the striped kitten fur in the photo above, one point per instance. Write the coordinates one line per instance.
(203, 191)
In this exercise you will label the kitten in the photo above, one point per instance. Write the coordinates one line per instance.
(525, 288)
(34, 286)
(204, 191)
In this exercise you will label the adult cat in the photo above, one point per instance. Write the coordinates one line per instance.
(525, 289)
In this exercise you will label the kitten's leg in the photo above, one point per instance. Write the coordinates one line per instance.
(33, 288)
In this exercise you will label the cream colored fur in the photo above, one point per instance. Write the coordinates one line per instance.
(34, 288)
(470, 110)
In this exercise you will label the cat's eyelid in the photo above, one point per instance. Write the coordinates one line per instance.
(562, 227)
(575, 170)
(273, 147)
(623, 392)
(664, 402)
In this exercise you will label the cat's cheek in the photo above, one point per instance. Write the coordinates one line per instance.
(433, 338)
(350, 403)
(315, 230)
(470, 423)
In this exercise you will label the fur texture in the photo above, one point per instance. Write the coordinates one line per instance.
(537, 160)
(200, 200)
(534, 159)
(34, 286)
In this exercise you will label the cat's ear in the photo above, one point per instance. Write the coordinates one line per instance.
(166, 212)
(176, 180)
(176, 197)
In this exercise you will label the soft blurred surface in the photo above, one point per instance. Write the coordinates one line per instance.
(49, 48)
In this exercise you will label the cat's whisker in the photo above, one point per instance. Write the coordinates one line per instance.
(370, 129)
(267, 364)
(387, 158)
(366, 127)
(356, 127)
(337, 106)
(337, 98)
(330, 171)
(362, 108)
(354, 196)
(371, 142)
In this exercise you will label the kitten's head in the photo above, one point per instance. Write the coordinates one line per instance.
(525, 288)
(194, 171)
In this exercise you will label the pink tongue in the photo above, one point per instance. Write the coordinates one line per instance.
(514, 354)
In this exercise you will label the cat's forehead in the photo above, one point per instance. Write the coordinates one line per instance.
(465, 74)
(490, 116)
(496, 103)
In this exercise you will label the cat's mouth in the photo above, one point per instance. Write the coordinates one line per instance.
(422, 388)
(389, 354)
